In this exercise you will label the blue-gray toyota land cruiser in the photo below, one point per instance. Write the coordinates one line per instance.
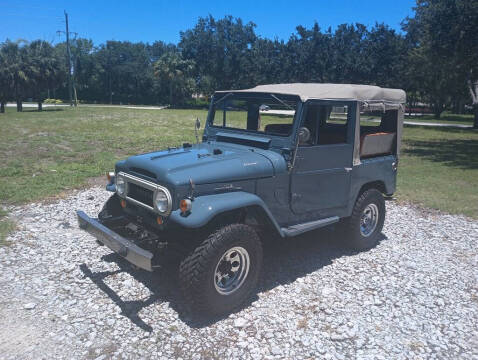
(282, 159)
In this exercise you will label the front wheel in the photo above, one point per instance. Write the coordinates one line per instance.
(364, 226)
(221, 273)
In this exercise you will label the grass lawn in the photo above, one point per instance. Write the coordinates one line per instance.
(439, 169)
(44, 154)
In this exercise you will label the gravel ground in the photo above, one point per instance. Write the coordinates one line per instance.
(413, 296)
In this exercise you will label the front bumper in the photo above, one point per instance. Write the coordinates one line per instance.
(131, 252)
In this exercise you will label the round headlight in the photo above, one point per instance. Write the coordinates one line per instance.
(120, 184)
(161, 201)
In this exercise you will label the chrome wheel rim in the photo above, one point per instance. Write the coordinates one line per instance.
(369, 220)
(231, 270)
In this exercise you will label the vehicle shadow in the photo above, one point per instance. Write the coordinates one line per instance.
(284, 262)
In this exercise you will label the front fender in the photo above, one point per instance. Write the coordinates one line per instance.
(205, 208)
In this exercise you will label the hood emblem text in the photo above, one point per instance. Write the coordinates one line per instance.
(227, 187)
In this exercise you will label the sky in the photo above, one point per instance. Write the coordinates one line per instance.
(148, 21)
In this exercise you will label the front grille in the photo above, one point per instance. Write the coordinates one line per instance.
(140, 194)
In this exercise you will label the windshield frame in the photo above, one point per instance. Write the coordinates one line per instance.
(253, 95)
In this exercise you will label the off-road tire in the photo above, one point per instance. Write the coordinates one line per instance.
(197, 271)
(351, 225)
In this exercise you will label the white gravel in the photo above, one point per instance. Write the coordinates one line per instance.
(414, 296)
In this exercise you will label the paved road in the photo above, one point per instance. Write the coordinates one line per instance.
(434, 124)
(418, 123)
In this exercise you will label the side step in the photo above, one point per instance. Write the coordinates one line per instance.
(298, 229)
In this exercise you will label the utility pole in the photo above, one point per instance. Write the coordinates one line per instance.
(71, 80)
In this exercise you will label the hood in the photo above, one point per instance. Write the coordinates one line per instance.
(204, 163)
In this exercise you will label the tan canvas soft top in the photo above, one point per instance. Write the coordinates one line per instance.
(306, 91)
(370, 97)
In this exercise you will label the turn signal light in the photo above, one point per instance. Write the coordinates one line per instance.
(159, 220)
(123, 203)
(185, 205)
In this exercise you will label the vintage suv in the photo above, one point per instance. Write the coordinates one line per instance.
(278, 159)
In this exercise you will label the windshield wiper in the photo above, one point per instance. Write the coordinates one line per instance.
(282, 102)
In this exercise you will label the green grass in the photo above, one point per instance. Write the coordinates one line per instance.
(439, 169)
(44, 154)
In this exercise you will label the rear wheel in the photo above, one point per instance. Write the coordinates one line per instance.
(222, 273)
(364, 226)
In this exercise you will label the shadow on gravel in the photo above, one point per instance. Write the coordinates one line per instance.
(284, 262)
(163, 288)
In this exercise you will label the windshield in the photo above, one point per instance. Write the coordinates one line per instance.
(263, 113)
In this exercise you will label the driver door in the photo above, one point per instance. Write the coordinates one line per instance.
(320, 180)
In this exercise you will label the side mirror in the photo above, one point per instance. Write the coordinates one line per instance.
(304, 135)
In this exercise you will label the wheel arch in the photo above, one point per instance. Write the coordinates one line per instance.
(225, 208)
(377, 184)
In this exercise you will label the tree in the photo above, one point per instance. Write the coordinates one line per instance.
(174, 73)
(125, 72)
(84, 65)
(16, 70)
(349, 62)
(44, 70)
(269, 62)
(221, 50)
(309, 53)
(386, 53)
(446, 31)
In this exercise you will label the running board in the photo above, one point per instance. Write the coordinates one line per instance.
(298, 229)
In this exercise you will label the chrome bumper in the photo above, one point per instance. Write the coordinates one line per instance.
(131, 252)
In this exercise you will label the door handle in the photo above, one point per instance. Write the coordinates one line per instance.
(347, 169)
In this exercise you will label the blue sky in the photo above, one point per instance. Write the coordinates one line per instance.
(163, 20)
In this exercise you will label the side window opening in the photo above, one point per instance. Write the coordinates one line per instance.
(378, 133)
(327, 124)
(333, 125)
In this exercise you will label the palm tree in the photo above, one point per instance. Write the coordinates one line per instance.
(173, 71)
(14, 70)
(43, 67)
